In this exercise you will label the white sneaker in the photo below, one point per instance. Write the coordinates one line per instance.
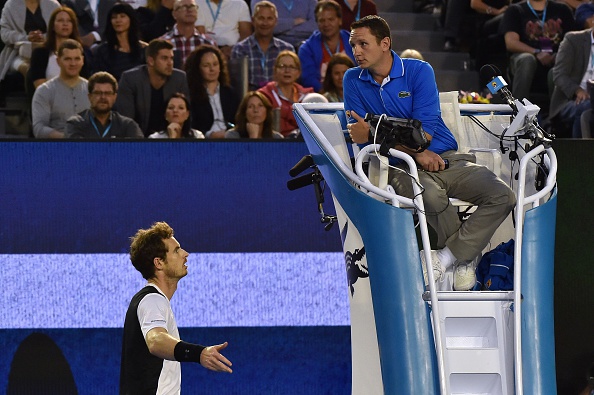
(464, 276)
(438, 268)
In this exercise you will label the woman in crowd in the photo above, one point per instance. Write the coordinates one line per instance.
(62, 25)
(213, 101)
(253, 119)
(22, 27)
(122, 48)
(332, 86)
(177, 115)
(284, 90)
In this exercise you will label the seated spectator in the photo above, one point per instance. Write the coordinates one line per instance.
(532, 33)
(253, 119)
(99, 121)
(177, 116)
(584, 16)
(573, 68)
(63, 96)
(184, 36)
(296, 20)
(353, 10)
(490, 44)
(411, 53)
(121, 48)
(332, 87)
(261, 48)
(62, 25)
(329, 39)
(92, 18)
(284, 91)
(227, 22)
(213, 102)
(22, 26)
(155, 19)
(145, 102)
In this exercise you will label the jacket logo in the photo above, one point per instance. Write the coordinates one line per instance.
(403, 94)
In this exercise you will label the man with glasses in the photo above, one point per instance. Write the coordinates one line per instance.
(100, 121)
(184, 36)
(61, 97)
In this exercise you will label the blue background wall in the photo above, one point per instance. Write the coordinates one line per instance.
(68, 209)
(78, 201)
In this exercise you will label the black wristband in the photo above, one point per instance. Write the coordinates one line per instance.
(187, 352)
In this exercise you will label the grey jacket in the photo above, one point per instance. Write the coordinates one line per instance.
(12, 28)
(570, 66)
(134, 93)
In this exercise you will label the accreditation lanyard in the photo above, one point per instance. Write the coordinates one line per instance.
(97, 129)
(214, 15)
(288, 4)
(544, 11)
(328, 48)
(358, 16)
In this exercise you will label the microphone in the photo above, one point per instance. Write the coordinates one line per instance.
(301, 182)
(497, 85)
(304, 163)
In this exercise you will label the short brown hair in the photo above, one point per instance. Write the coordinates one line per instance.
(327, 5)
(69, 44)
(102, 77)
(265, 4)
(377, 25)
(152, 50)
(148, 244)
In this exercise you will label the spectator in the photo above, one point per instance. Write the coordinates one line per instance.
(100, 121)
(584, 16)
(184, 36)
(156, 18)
(573, 68)
(296, 20)
(284, 91)
(92, 18)
(61, 97)
(490, 46)
(532, 32)
(353, 10)
(228, 22)
(145, 103)
(332, 88)
(121, 49)
(62, 25)
(574, 4)
(261, 48)
(411, 53)
(213, 101)
(177, 116)
(253, 119)
(329, 39)
(22, 25)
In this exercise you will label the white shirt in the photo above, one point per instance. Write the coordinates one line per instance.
(223, 25)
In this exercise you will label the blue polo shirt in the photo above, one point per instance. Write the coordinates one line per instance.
(410, 91)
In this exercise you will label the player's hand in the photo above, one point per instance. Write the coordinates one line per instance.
(358, 131)
(429, 161)
(212, 359)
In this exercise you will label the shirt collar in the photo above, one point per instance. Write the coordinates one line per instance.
(396, 71)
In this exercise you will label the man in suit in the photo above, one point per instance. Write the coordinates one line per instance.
(145, 103)
(573, 68)
(92, 18)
